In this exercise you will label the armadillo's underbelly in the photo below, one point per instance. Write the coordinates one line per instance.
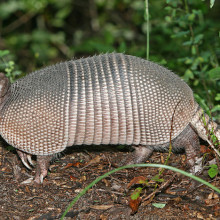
(118, 99)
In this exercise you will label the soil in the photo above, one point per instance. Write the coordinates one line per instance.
(108, 199)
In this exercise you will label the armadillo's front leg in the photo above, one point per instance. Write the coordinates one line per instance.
(43, 163)
(25, 158)
(140, 155)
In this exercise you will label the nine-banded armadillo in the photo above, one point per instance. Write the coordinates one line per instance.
(107, 99)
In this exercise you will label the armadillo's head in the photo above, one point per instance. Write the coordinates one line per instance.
(4, 89)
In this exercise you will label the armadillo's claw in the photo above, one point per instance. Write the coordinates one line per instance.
(30, 160)
(25, 163)
(25, 158)
(28, 181)
(41, 178)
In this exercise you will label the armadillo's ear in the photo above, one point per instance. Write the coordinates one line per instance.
(4, 84)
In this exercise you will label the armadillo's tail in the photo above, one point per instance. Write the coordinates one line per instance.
(204, 125)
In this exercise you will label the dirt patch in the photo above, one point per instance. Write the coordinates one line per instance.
(108, 199)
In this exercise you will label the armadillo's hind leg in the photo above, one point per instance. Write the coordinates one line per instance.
(190, 141)
(25, 158)
(43, 163)
(139, 155)
(192, 155)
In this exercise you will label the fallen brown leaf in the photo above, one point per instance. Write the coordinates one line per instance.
(103, 217)
(101, 207)
(77, 164)
(134, 204)
(204, 149)
(137, 180)
(95, 160)
(73, 178)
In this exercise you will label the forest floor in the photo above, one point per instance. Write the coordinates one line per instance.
(109, 198)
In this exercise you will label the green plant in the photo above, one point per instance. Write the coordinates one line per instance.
(202, 61)
(8, 66)
(213, 170)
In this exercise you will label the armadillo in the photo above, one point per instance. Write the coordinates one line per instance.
(106, 99)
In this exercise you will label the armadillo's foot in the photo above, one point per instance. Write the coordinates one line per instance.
(42, 167)
(197, 166)
(140, 155)
(25, 158)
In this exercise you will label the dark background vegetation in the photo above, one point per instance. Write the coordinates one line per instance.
(184, 36)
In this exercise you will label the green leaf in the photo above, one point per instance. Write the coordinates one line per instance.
(188, 61)
(198, 38)
(214, 73)
(180, 34)
(216, 108)
(217, 97)
(157, 179)
(4, 53)
(9, 8)
(187, 43)
(213, 171)
(159, 205)
(168, 19)
(188, 75)
(168, 8)
(202, 103)
(193, 49)
(136, 193)
(191, 17)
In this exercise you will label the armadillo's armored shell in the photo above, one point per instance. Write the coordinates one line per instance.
(107, 99)
(120, 99)
(35, 117)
